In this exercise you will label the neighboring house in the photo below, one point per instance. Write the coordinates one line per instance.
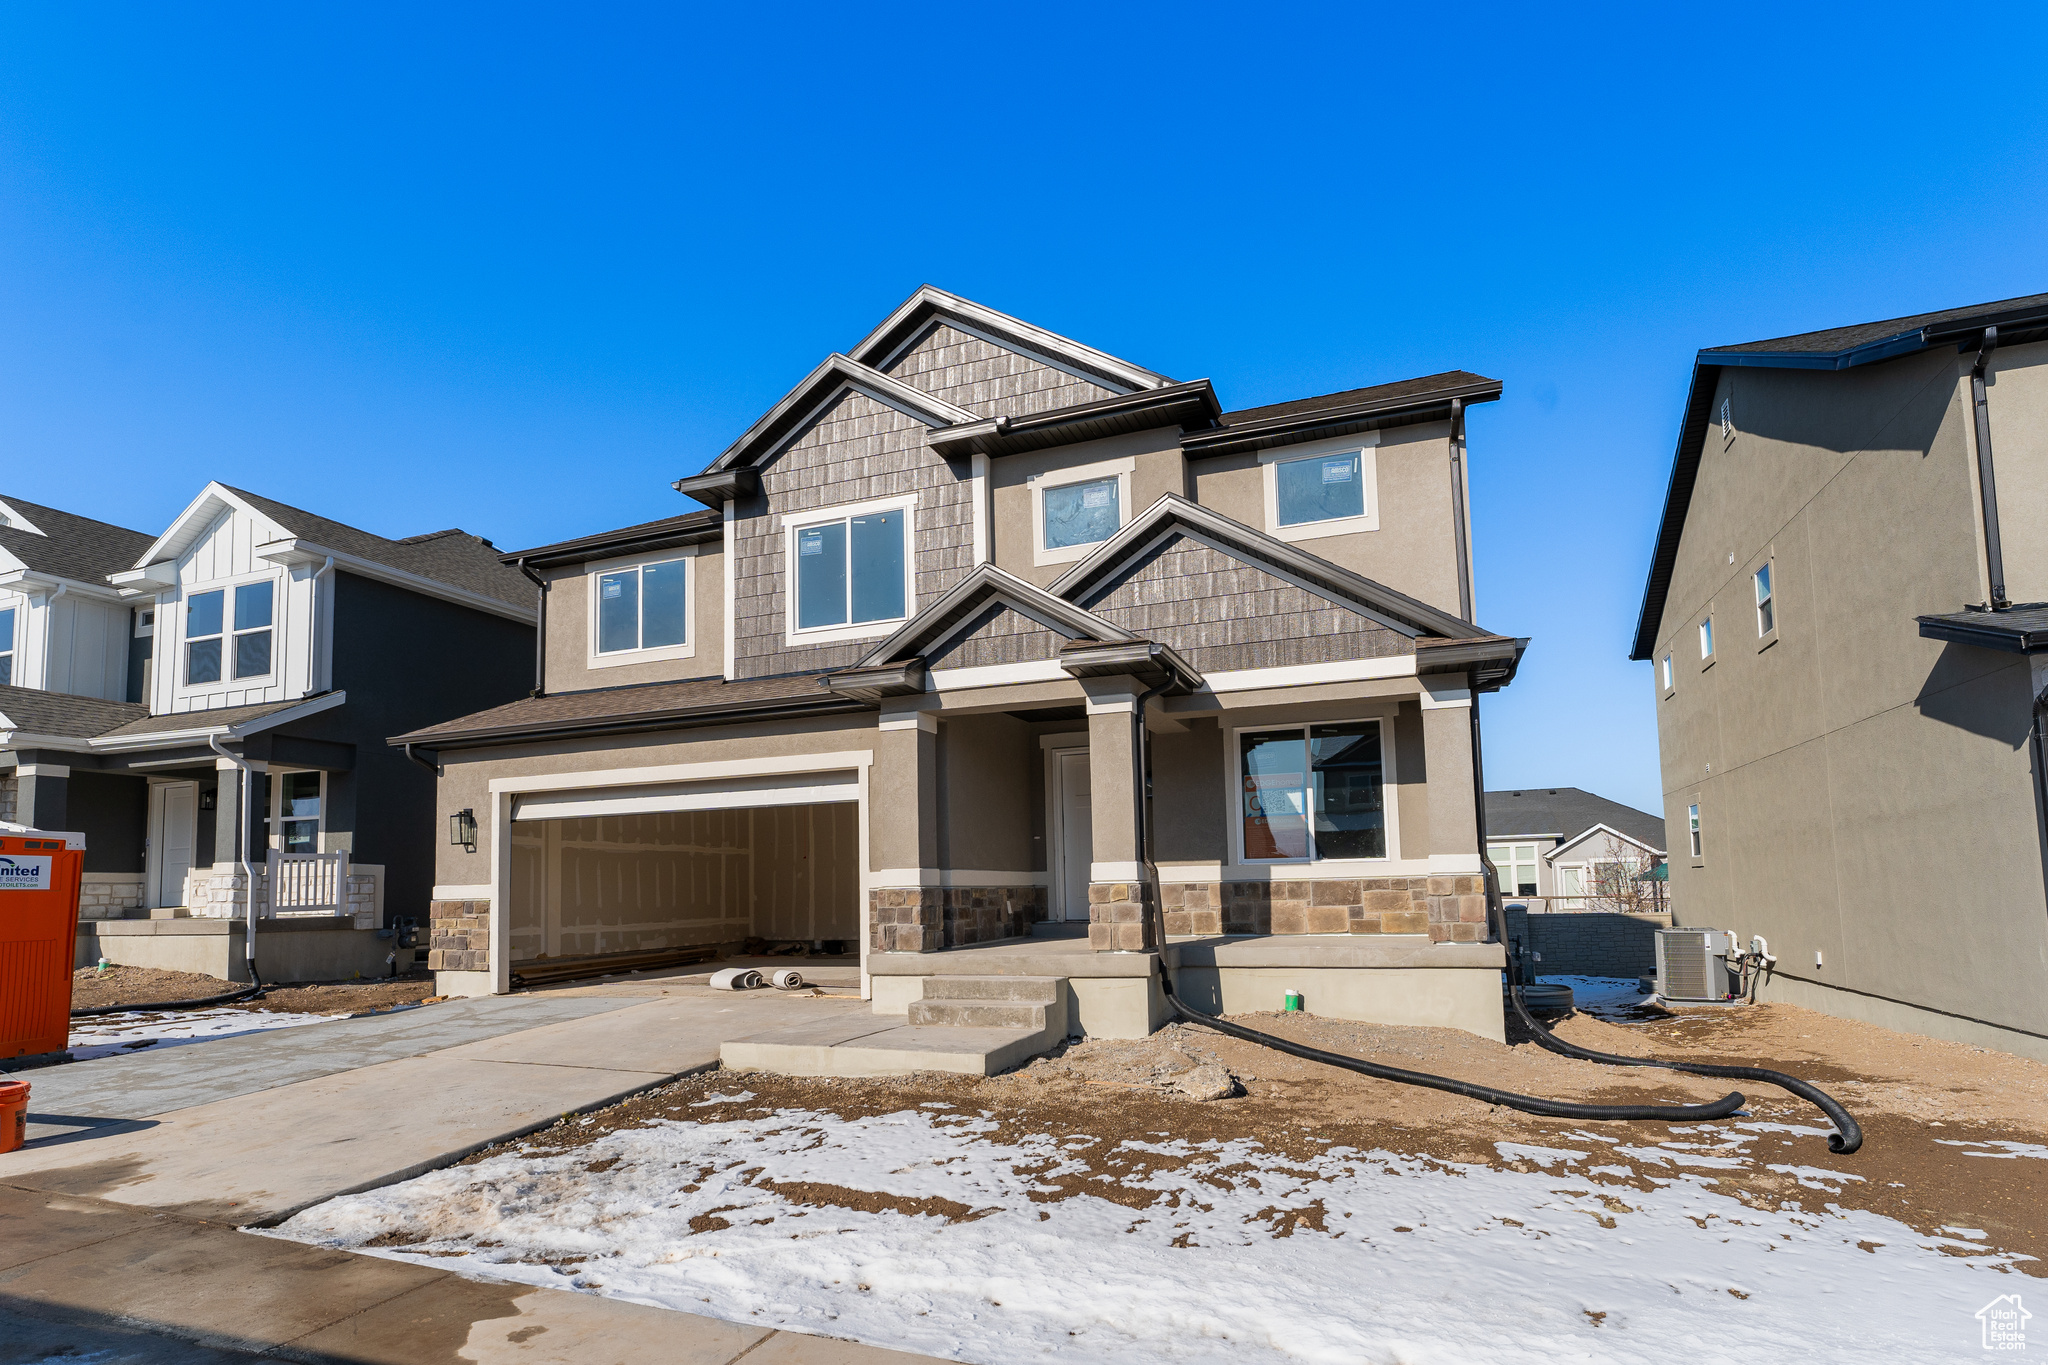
(63, 626)
(1566, 849)
(1843, 618)
(971, 592)
(284, 641)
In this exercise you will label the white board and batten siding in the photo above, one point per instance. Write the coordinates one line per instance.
(224, 556)
(73, 644)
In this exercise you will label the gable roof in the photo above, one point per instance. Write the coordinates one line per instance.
(64, 544)
(1565, 813)
(984, 585)
(911, 318)
(465, 568)
(1834, 348)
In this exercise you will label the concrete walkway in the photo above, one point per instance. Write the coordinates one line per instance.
(119, 1222)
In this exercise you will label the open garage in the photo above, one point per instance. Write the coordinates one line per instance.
(755, 866)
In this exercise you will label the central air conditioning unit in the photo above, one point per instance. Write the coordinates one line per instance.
(1692, 964)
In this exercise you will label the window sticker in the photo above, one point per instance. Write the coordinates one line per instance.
(810, 542)
(1337, 471)
(613, 588)
(1095, 497)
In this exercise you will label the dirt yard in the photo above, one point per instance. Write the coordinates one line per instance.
(1933, 1113)
(92, 989)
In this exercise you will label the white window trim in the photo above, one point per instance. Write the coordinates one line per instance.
(618, 657)
(1769, 568)
(1121, 470)
(791, 522)
(1670, 676)
(16, 624)
(274, 816)
(228, 682)
(1693, 842)
(1234, 794)
(1365, 445)
(1707, 646)
(1534, 864)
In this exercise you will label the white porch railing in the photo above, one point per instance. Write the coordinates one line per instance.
(308, 883)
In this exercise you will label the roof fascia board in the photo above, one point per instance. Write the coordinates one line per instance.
(611, 543)
(24, 739)
(802, 404)
(1583, 835)
(1685, 468)
(996, 584)
(1411, 617)
(293, 550)
(213, 499)
(2006, 640)
(164, 739)
(22, 523)
(1010, 435)
(824, 703)
(998, 329)
(1869, 353)
(1272, 430)
(29, 581)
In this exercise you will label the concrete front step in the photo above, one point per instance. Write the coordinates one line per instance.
(881, 1047)
(930, 1013)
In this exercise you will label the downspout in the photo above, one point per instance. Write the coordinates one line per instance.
(246, 817)
(540, 638)
(1458, 508)
(1987, 482)
(1141, 751)
(50, 630)
(313, 648)
(1495, 914)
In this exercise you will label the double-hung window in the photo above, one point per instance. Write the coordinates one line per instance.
(850, 573)
(6, 645)
(1692, 825)
(1074, 510)
(1766, 609)
(1312, 792)
(640, 607)
(243, 643)
(1516, 866)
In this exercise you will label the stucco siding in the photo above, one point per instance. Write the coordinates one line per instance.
(856, 450)
(1223, 613)
(2017, 397)
(569, 642)
(989, 379)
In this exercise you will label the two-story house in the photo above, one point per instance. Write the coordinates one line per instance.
(1845, 624)
(1560, 848)
(988, 633)
(230, 711)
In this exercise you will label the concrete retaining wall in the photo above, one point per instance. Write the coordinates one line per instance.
(1585, 942)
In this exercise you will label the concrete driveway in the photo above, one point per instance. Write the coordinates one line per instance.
(119, 1221)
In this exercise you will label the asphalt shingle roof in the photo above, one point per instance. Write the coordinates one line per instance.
(1377, 393)
(648, 700)
(73, 547)
(197, 720)
(453, 557)
(1567, 812)
(61, 715)
(1833, 339)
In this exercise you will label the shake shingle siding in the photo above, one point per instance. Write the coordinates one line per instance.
(1222, 613)
(999, 635)
(856, 450)
(987, 379)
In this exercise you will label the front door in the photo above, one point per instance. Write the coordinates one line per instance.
(1076, 831)
(177, 818)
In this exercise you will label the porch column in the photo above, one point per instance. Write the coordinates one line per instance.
(1457, 893)
(903, 830)
(1122, 887)
(43, 795)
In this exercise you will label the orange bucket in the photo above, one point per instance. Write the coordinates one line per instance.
(13, 1114)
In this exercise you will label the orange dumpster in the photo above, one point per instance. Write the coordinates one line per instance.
(39, 876)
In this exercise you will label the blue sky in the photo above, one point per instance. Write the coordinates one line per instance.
(514, 269)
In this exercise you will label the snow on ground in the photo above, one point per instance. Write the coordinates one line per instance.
(1600, 996)
(112, 1034)
(922, 1230)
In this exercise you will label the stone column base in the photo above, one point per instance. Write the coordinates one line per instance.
(459, 938)
(906, 919)
(1120, 918)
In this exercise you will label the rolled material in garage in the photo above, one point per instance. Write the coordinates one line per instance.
(788, 979)
(736, 979)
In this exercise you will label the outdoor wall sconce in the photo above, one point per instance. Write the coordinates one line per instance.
(462, 829)
(206, 800)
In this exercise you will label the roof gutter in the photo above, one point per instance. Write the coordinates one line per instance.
(639, 722)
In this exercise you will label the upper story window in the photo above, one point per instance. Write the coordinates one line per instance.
(1667, 672)
(1326, 489)
(213, 638)
(640, 611)
(1766, 609)
(1075, 510)
(7, 645)
(849, 569)
(1707, 638)
(1692, 826)
(1516, 865)
(1312, 792)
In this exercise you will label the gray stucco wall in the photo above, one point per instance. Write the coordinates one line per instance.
(569, 667)
(1865, 794)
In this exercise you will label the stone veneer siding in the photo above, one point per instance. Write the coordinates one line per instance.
(460, 937)
(9, 801)
(1120, 917)
(913, 919)
(109, 895)
(1448, 909)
